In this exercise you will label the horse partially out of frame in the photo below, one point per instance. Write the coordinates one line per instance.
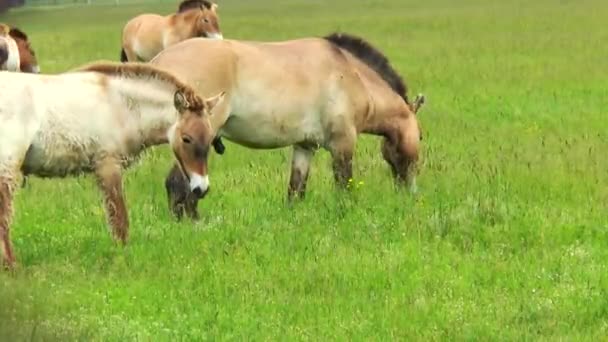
(98, 119)
(16, 53)
(307, 93)
(144, 36)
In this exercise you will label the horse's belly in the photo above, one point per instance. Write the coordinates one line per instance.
(58, 160)
(265, 133)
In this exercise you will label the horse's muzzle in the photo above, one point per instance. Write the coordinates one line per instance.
(199, 193)
(215, 35)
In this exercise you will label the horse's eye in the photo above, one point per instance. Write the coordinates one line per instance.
(186, 139)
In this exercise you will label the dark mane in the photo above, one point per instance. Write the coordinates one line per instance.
(17, 34)
(373, 58)
(193, 4)
(142, 70)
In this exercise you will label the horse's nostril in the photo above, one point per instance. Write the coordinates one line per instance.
(198, 192)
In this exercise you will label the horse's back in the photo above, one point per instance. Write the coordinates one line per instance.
(142, 28)
(280, 93)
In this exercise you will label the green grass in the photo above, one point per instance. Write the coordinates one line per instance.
(508, 239)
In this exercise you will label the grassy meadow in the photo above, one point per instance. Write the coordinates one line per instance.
(507, 239)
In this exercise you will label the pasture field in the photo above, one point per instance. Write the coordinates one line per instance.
(507, 239)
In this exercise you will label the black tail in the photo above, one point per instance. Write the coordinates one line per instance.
(123, 56)
(218, 145)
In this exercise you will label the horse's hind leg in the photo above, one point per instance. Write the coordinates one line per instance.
(110, 181)
(300, 166)
(400, 150)
(7, 186)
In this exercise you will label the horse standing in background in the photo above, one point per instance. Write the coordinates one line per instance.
(16, 53)
(308, 93)
(146, 35)
(98, 119)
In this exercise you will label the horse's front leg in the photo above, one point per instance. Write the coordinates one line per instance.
(109, 179)
(342, 149)
(7, 187)
(300, 165)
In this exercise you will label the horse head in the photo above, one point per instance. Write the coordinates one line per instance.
(207, 22)
(191, 137)
(9, 51)
(27, 56)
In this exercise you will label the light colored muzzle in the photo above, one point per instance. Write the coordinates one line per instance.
(199, 183)
(217, 36)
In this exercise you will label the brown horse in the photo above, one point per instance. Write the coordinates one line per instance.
(309, 93)
(27, 56)
(144, 36)
(16, 53)
(98, 119)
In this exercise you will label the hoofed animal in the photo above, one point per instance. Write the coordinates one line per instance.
(309, 93)
(16, 53)
(144, 36)
(9, 51)
(98, 119)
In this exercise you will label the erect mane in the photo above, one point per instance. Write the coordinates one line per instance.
(372, 57)
(17, 34)
(193, 4)
(141, 70)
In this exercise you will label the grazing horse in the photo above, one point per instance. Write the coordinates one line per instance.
(144, 36)
(307, 93)
(16, 53)
(98, 119)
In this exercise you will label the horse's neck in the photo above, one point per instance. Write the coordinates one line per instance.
(179, 26)
(151, 102)
(384, 102)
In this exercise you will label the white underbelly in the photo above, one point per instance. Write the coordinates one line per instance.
(48, 157)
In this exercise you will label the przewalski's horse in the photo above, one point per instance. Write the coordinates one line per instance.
(16, 53)
(9, 51)
(27, 56)
(144, 36)
(98, 119)
(310, 93)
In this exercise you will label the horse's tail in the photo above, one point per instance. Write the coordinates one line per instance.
(218, 145)
(123, 55)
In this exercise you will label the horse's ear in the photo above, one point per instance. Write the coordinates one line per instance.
(211, 102)
(4, 30)
(418, 102)
(180, 101)
(214, 7)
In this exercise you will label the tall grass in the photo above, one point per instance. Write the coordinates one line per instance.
(508, 239)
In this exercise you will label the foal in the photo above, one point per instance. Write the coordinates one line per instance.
(144, 36)
(98, 119)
